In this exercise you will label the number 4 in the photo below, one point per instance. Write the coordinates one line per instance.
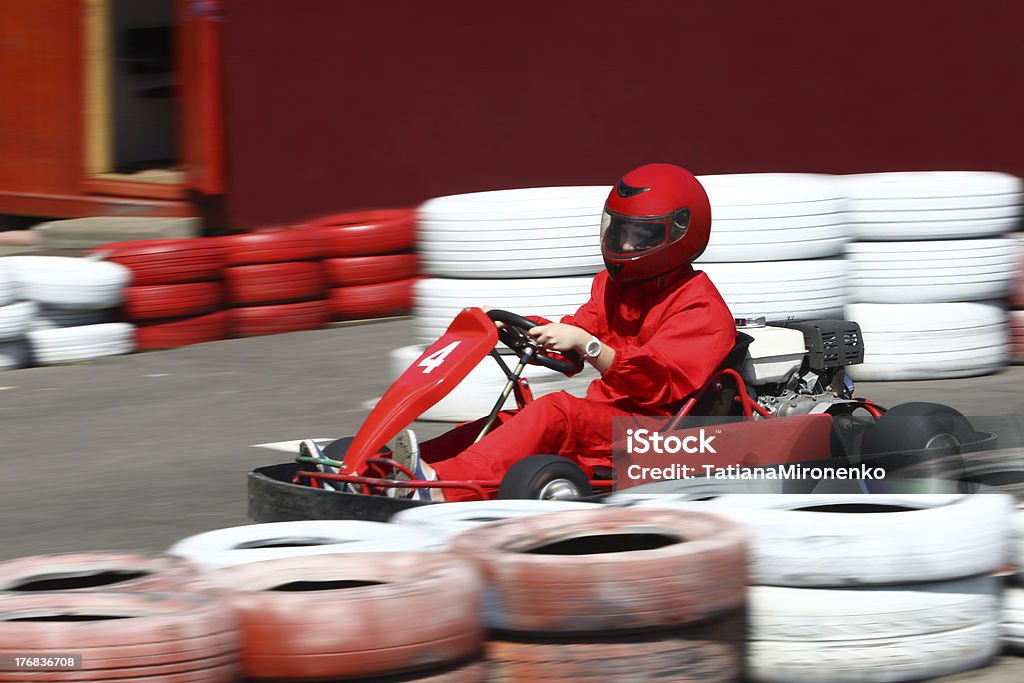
(437, 357)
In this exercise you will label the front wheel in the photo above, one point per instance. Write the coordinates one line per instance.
(544, 477)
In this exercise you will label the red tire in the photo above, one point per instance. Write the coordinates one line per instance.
(253, 321)
(371, 301)
(365, 233)
(368, 270)
(172, 301)
(708, 653)
(276, 246)
(626, 569)
(128, 637)
(94, 571)
(409, 612)
(275, 283)
(170, 334)
(167, 262)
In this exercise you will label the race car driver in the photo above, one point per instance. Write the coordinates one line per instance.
(655, 328)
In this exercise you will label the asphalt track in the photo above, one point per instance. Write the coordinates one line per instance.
(136, 452)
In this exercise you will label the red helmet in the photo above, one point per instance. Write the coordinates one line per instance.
(656, 218)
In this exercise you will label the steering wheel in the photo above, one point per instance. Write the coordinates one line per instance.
(513, 335)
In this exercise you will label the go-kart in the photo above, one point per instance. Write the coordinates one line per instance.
(782, 396)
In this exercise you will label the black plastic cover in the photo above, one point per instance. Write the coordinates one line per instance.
(831, 343)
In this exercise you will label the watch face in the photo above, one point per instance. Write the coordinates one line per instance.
(593, 348)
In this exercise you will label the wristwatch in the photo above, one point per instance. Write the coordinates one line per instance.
(593, 348)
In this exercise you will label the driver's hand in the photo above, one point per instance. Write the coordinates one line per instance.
(560, 337)
(497, 323)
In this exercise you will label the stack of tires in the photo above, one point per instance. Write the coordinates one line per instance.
(930, 272)
(275, 282)
(611, 595)
(66, 303)
(369, 263)
(15, 318)
(776, 247)
(531, 251)
(112, 616)
(895, 588)
(176, 296)
(354, 616)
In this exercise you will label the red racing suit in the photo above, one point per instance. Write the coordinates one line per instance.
(669, 334)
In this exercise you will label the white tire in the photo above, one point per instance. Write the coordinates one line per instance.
(447, 519)
(16, 318)
(1013, 620)
(9, 289)
(14, 355)
(782, 290)
(517, 204)
(73, 344)
(66, 282)
(474, 397)
(436, 301)
(932, 538)
(880, 660)
(522, 264)
(931, 272)
(53, 318)
(930, 341)
(258, 542)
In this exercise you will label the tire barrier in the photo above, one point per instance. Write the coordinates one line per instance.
(74, 344)
(411, 612)
(477, 393)
(932, 205)
(369, 270)
(711, 652)
(379, 300)
(521, 233)
(274, 283)
(273, 246)
(617, 570)
(930, 272)
(68, 283)
(77, 572)
(120, 636)
(276, 540)
(53, 318)
(1013, 621)
(873, 634)
(930, 341)
(775, 217)
(16, 319)
(253, 321)
(438, 300)
(153, 335)
(445, 520)
(167, 262)
(367, 233)
(147, 302)
(782, 290)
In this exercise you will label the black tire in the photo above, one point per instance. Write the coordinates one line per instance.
(918, 426)
(545, 477)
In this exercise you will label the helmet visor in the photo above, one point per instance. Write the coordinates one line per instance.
(627, 236)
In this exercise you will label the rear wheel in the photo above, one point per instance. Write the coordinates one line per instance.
(920, 442)
(544, 477)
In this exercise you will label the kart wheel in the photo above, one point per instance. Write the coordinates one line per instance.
(916, 426)
(544, 477)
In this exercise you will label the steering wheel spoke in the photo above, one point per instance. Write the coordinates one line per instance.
(513, 334)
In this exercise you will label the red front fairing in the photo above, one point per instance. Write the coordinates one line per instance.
(440, 368)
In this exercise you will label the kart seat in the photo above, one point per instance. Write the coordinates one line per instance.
(718, 401)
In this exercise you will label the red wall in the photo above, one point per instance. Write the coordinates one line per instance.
(340, 105)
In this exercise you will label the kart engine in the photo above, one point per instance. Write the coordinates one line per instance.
(799, 368)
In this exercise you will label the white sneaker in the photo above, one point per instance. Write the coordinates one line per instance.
(406, 452)
(309, 449)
